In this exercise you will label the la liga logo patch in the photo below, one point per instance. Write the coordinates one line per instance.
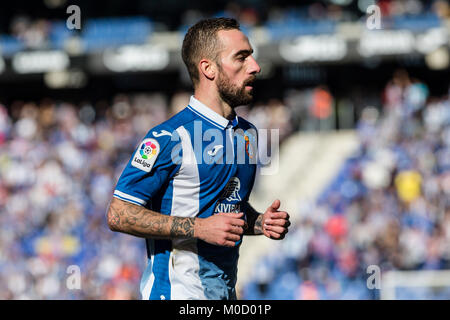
(148, 150)
(146, 155)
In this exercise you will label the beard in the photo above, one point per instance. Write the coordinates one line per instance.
(233, 95)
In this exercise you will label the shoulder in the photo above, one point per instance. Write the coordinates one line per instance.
(173, 123)
(166, 132)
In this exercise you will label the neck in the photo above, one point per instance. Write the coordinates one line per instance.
(213, 101)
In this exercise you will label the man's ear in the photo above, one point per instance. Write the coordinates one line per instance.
(207, 68)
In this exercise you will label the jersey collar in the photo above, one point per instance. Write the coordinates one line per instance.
(209, 115)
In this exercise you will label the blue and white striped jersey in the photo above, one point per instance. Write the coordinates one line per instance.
(195, 164)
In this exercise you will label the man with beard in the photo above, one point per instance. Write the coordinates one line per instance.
(186, 187)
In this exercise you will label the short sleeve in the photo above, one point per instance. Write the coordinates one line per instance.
(155, 161)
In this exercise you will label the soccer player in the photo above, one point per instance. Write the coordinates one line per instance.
(186, 187)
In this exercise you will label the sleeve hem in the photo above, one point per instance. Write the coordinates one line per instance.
(129, 198)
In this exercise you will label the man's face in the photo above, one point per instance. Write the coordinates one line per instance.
(237, 68)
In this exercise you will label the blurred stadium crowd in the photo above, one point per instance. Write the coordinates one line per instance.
(389, 206)
(24, 31)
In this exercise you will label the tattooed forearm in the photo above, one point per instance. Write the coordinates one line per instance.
(182, 227)
(139, 221)
(254, 220)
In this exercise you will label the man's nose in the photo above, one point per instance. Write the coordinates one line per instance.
(254, 66)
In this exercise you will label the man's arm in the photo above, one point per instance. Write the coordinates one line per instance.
(132, 219)
(141, 222)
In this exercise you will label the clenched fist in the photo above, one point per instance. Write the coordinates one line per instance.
(223, 229)
(275, 223)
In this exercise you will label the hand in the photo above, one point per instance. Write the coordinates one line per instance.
(223, 229)
(275, 223)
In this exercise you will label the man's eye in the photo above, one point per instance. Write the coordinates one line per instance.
(241, 58)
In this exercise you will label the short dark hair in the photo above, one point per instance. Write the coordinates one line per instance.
(201, 42)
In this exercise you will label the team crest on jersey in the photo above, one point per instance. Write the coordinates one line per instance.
(232, 188)
(146, 155)
(230, 194)
(248, 147)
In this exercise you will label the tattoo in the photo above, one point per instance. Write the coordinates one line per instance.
(183, 227)
(139, 221)
(258, 229)
(113, 217)
(254, 220)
